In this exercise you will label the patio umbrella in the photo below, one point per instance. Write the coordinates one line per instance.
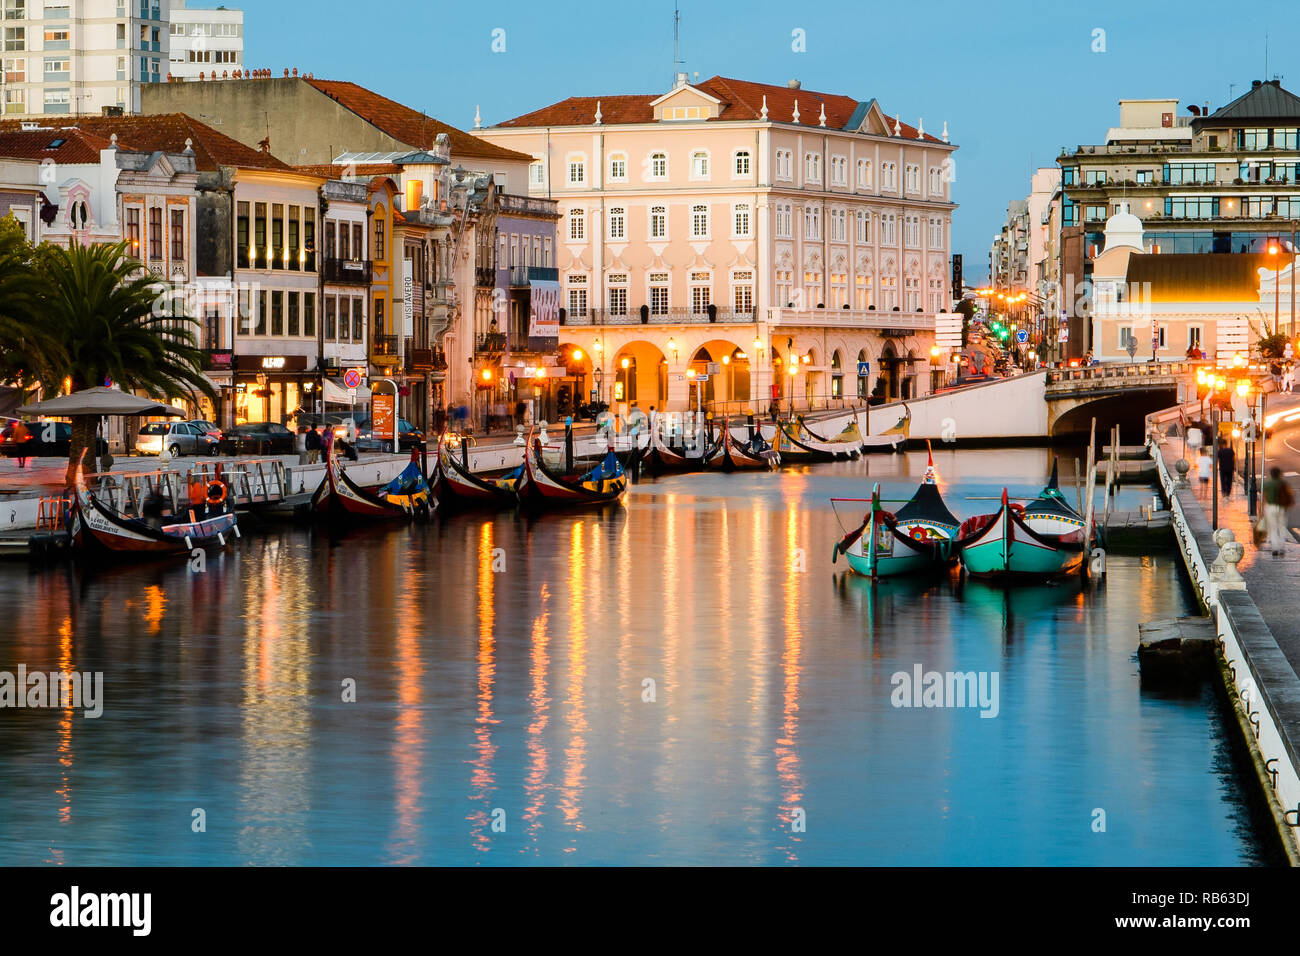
(100, 401)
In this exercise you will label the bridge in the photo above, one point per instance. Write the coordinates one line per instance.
(1049, 403)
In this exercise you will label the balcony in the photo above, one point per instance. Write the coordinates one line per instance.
(426, 360)
(853, 318)
(383, 350)
(673, 316)
(508, 205)
(491, 342)
(485, 277)
(522, 276)
(347, 271)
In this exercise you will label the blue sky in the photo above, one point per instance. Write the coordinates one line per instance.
(1015, 81)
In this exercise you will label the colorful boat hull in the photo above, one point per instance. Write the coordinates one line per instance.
(457, 489)
(1002, 545)
(541, 489)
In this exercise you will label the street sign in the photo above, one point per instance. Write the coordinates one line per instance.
(1022, 336)
(864, 369)
(713, 368)
(352, 379)
(701, 378)
(352, 395)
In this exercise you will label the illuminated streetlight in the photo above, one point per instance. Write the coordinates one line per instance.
(577, 355)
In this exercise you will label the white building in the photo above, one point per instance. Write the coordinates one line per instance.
(62, 57)
(210, 42)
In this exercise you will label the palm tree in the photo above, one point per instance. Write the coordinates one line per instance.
(113, 324)
(27, 352)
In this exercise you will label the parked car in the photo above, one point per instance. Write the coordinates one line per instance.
(45, 440)
(179, 438)
(408, 436)
(257, 438)
(208, 428)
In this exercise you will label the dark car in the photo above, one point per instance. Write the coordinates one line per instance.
(257, 438)
(408, 436)
(45, 440)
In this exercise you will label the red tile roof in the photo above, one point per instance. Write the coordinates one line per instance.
(338, 170)
(409, 126)
(166, 132)
(74, 146)
(741, 100)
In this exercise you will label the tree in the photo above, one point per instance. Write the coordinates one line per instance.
(1273, 346)
(104, 309)
(27, 351)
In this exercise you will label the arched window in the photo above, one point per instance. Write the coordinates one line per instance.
(864, 389)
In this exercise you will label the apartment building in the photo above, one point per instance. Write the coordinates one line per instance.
(204, 42)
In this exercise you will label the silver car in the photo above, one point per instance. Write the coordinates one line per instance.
(179, 438)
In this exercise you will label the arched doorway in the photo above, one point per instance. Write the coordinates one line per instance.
(907, 380)
(565, 394)
(639, 373)
(811, 379)
(864, 381)
(837, 376)
(887, 382)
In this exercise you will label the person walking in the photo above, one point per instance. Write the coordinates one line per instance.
(1227, 465)
(1205, 467)
(1277, 499)
(21, 435)
(300, 444)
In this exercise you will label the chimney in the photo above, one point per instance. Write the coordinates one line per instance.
(794, 84)
(1255, 84)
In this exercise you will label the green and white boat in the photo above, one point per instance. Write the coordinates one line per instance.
(921, 536)
(1024, 542)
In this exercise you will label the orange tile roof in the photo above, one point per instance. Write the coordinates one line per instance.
(409, 126)
(338, 170)
(74, 145)
(166, 132)
(741, 99)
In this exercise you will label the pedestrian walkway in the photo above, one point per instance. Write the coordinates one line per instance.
(1271, 581)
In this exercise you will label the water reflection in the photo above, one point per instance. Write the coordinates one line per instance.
(517, 682)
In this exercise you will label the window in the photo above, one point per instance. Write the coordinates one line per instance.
(277, 313)
(578, 295)
(1199, 207)
(888, 172)
(577, 226)
(912, 231)
(1179, 173)
(658, 222)
(1145, 176)
(784, 164)
(331, 323)
(700, 293)
(155, 234)
(934, 235)
(1194, 336)
(863, 219)
(358, 320)
(178, 235)
(812, 222)
(536, 174)
(699, 165)
(740, 166)
(864, 174)
(742, 292)
(15, 70)
(618, 168)
(1125, 333)
(913, 174)
(783, 213)
(617, 222)
(1094, 177)
(15, 38)
(699, 221)
(740, 215)
(658, 165)
(839, 170)
(617, 283)
(133, 229)
(1252, 139)
(784, 284)
(862, 291)
(56, 38)
(659, 293)
(812, 167)
(57, 68)
(294, 323)
(309, 313)
(1094, 213)
(888, 229)
(839, 229)
(936, 181)
(79, 215)
(577, 171)
(379, 238)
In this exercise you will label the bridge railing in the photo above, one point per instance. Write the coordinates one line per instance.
(1113, 370)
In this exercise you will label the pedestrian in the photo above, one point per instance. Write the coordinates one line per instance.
(300, 444)
(1205, 467)
(1277, 499)
(313, 446)
(21, 436)
(1227, 465)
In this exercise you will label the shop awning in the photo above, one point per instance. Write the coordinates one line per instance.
(336, 393)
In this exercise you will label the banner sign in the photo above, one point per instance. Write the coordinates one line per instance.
(382, 417)
(544, 312)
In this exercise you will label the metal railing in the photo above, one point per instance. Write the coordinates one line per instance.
(383, 345)
(644, 316)
(356, 271)
(1114, 370)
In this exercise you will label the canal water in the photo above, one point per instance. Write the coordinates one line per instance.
(686, 679)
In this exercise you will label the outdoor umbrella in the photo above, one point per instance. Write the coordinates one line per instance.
(100, 401)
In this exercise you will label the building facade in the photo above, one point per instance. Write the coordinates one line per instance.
(724, 233)
(63, 57)
(204, 43)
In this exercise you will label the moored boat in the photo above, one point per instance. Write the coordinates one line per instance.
(731, 454)
(339, 497)
(457, 488)
(1025, 542)
(542, 488)
(96, 527)
(922, 535)
(797, 445)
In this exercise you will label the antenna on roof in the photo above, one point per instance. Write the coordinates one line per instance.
(1266, 54)
(677, 19)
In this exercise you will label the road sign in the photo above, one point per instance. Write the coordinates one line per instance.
(352, 395)
(1022, 336)
(701, 378)
(352, 379)
(864, 369)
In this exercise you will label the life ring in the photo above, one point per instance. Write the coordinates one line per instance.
(216, 493)
(1017, 507)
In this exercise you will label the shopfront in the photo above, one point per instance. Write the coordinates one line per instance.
(272, 388)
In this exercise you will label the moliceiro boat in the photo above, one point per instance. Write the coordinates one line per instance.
(94, 527)
(1032, 542)
(456, 488)
(922, 535)
(542, 488)
(731, 454)
(797, 444)
(340, 498)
